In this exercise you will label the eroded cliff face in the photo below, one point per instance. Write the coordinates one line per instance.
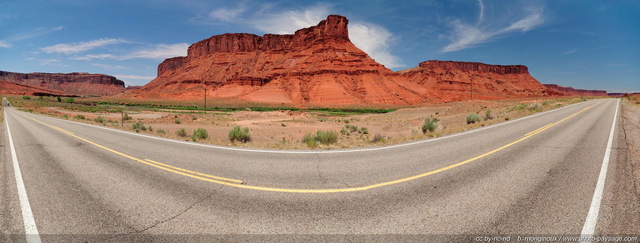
(319, 66)
(576, 92)
(452, 81)
(316, 66)
(80, 84)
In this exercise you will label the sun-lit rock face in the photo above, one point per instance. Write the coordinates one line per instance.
(320, 66)
(80, 84)
(453, 81)
(576, 92)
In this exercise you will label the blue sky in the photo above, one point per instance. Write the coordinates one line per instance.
(584, 44)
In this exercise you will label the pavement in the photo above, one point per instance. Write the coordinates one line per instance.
(534, 176)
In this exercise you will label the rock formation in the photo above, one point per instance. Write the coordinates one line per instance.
(80, 84)
(576, 92)
(316, 66)
(452, 81)
(319, 66)
(10, 88)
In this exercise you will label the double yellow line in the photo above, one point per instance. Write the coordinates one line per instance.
(243, 185)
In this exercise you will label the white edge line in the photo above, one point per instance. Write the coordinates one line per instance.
(321, 151)
(30, 228)
(592, 217)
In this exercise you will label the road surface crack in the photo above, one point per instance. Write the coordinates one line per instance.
(138, 232)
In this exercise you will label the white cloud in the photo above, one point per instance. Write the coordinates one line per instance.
(373, 39)
(107, 66)
(5, 44)
(570, 52)
(159, 51)
(96, 56)
(287, 22)
(228, 14)
(78, 47)
(466, 35)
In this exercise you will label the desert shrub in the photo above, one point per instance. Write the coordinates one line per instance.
(327, 137)
(310, 140)
(519, 107)
(352, 128)
(127, 117)
(364, 130)
(178, 121)
(66, 116)
(40, 97)
(487, 115)
(344, 131)
(181, 132)
(199, 133)
(473, 118)
(535, 107)
(59, 99)
(150, 128)
(241, 134)
(139, 126)
(323, 137)
(161, 131)
(79, 117)
(26, 97)
(283, 125)
(70, 100)
(378, 138)
(429, 125)
(100, 119)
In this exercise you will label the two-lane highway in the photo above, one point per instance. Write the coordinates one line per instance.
(536, 175)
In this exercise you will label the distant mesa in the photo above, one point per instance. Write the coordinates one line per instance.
(320, 66)
(67, 84)
(569, 91)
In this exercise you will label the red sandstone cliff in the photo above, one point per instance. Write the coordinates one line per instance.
(452, 81)
(316, 66)
(319, 66)
(10, 88)
(576, 92)
(81, 84)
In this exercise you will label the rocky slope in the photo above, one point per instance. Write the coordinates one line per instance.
(316, 66)
(452, 81)
(576, 92)
(10, 88)
(319, 66)
(80, 84)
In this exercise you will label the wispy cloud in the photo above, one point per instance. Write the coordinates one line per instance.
(108, 67)
(228, 14)
(569, 52)
(159, 51)
(373, 39)
(48, 62)
(8, 42)
(465, 35)
(78, 47)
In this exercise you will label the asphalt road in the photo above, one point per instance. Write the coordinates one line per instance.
(535, 176)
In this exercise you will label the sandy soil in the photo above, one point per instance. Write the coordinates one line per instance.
(285, 129)
(631, 125)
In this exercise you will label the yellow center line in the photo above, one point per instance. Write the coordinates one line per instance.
(242, 184)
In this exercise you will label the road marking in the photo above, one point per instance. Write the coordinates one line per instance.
(30, 228)
(592, 216)
(323, 151)
(332, 190)
(196, 174)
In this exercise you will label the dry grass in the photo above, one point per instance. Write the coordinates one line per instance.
(285, 129)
